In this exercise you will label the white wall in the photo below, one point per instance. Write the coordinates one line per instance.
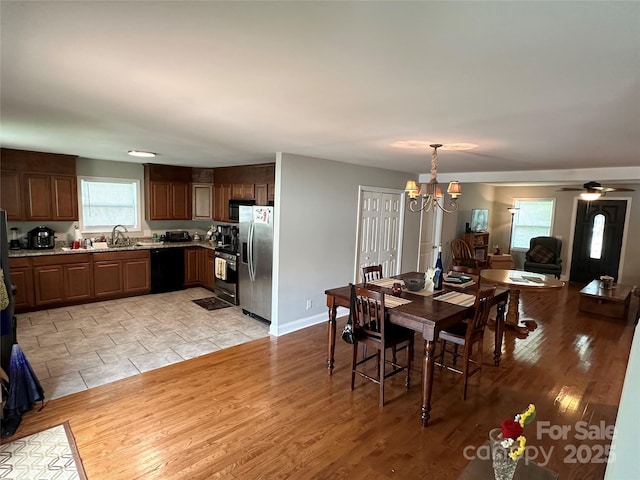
(626, 464)
(316, 219)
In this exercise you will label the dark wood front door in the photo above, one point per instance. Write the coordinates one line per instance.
(597, 239)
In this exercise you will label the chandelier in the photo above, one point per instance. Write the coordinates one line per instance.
(429, 195)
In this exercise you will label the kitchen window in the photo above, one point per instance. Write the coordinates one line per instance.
(533, 219)
(106, 202)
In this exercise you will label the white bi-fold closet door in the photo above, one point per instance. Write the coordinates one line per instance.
(381, 220)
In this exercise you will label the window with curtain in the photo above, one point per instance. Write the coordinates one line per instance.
(107, 202)
(533, 219)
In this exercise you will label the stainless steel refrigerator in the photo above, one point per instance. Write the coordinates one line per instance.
(256, 260)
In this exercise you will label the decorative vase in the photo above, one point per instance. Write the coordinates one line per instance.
(504, 468)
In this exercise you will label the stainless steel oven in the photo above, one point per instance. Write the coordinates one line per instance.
(226, 276)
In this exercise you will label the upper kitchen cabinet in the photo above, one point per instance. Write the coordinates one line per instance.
(243, 191)
(167, 192)
(265, 193)
(221, 197)
(202, 193)
(202, 201)
(38, 186)
(64, 197)
(248, 182)
(11, 195)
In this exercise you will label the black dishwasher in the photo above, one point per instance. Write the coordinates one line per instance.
(167, 269)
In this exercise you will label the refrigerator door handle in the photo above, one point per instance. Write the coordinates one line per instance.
(252, 271)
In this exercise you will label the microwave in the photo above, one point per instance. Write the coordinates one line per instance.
(234, 208)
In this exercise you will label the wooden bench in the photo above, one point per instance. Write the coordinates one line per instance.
(609, 302)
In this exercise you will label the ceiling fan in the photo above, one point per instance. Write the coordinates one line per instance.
(593, 190)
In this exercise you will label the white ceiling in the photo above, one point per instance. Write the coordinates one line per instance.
(537, 85)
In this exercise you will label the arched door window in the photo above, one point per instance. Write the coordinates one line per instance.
(597, 236)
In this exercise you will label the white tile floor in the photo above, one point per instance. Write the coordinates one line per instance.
(75, 348)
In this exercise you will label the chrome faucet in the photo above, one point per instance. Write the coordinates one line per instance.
(115, 233)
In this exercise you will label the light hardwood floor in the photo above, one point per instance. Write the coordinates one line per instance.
(267, 408)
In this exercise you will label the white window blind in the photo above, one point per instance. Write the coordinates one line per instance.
(533, 219)
(107, 202)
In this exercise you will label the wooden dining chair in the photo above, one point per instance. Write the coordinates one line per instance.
(373, 330)
(371, 273)
(461, 254)
(466, 334)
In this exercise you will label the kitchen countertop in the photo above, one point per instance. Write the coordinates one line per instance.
(58, 250)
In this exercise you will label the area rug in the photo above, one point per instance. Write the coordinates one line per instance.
(211, 303)
(47, 455)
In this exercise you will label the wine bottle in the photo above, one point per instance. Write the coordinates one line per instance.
(437, 277)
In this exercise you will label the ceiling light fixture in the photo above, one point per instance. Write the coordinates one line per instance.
(141, 153)
(590, 195)
(428, 195)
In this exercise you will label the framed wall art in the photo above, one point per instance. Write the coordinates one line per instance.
(479, 220)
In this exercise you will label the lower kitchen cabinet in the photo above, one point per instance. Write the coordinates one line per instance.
(136, 275)
(62, 279)
(118, 274)
(191, 266)
(22, 278)
(209, 280)
(47, 281)
(107, 278)
(196, 267)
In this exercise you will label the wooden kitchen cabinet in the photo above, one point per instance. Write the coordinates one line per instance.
(202, 201)
(22, 278)
(265, 193)
(38, 186)
(209, 281)
(124, 273)
(167, 192)
(191, 266)
(196, 266)
(107, 278)
(11, 195)
(261, 194)
(181, 201)
(248, 182)
(221, 197)
(64, 198)
(46, 197)
(169, 201)
(62, 279)
(137, 277)
(243, 191)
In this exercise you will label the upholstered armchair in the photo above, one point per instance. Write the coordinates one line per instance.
(544, 256)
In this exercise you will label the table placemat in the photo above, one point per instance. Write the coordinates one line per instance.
(386, 282)
(390, 301)
(463, 299)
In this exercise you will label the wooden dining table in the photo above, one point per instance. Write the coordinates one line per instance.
(425, 315)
